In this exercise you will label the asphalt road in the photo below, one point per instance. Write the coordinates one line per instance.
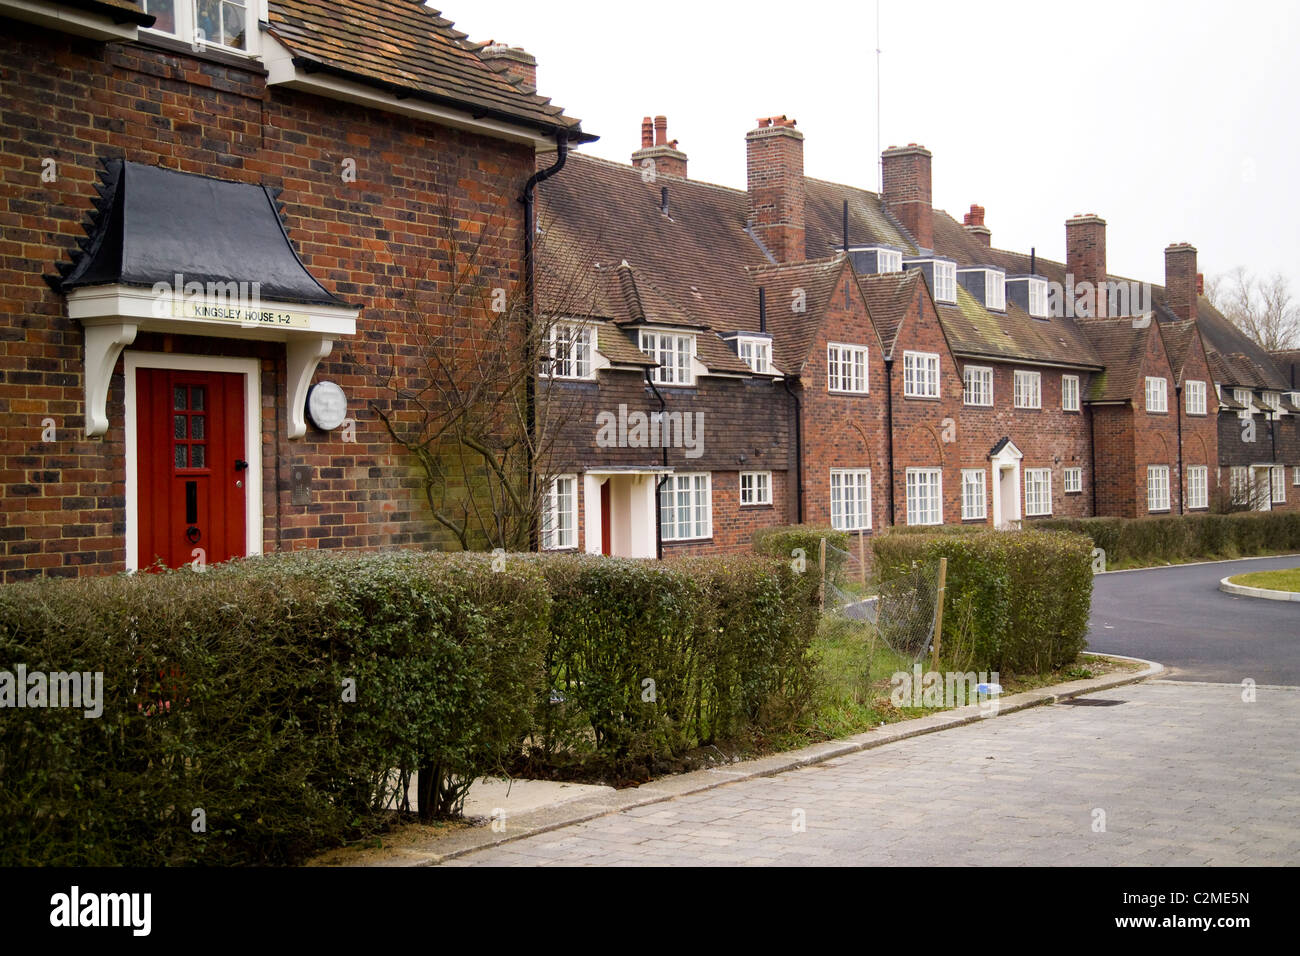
(1179, 617)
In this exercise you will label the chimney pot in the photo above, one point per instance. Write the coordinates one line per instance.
(647, 133)
(515, 63)
(775, 183)
(666, 158)
(661, 130)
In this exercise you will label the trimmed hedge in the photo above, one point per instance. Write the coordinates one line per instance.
(1014, 603)
(1171, 538)
(785, 541)
(228, 691)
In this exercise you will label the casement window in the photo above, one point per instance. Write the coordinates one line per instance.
(1273, 402)
(674, 353)
(1239, 484)
(1198, 486)
(995, 290)
(945, 281)
(570, 351)
(1295, 477)
(978, 384)
(920, 375)
(974, 502)
(1157, 488)
(1195, 397)
(1029, 389)
(560, 514)
(1070, 393)
(1038, 298)
(1157, 397)
(924, 496)
(1038, 491)
(755, 488)
(889, 260)
(1073, 481)
(756, 353)
(1243, 397)
(851, 499)
(227, 24)
(686, 507)
(846, 368)
(1277, 478)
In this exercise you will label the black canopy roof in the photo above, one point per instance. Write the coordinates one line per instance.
(151, 224)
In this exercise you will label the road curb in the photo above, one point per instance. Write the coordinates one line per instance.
(580, 811)
(1266, 593)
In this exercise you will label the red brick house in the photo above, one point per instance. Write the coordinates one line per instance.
(198, 226)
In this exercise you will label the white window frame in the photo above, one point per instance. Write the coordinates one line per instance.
(995, 290)
(756, 352)
(974, 494)
(1038, 484)
(1272, 401)
(698, 487)
(572, 349)
(1024, 393)
(1037, 298)
(841, 357)
(983, 377)
(1277, 484)
(1239, 484)
(1070, 390)
(1198, 486)
(1157, 488)
(891, 257)
(759, 491)
(1246, 399)
(186, 15)
(675, 353)
(945, 281)
(927, 510)
(920, 374)
(1194, 397)
(561, 502)
(850, 487)
(1157, 395)
(1295, 477)
(1072, 481)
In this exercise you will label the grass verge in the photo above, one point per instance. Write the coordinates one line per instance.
(1285, 580)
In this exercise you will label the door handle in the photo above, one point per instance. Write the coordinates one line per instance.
(240, 464)
(192, 534)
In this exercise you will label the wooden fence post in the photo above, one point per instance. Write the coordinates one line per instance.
(821, 570)
(938, 610)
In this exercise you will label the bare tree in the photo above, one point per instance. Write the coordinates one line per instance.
(1263, 307)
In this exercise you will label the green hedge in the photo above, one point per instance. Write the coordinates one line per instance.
(791, 541)
(1015, 602)
(651, 659)
(1130, 542)
(224, 691)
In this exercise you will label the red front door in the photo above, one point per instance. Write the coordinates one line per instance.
(192, 473)
(605, 517)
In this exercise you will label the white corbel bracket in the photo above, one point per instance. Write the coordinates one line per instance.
(104, 343)
(303, 354)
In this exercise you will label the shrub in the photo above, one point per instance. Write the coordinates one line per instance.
(1025, 596)
(788, 541)
(1171, 538)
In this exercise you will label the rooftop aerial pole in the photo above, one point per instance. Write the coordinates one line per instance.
(880, 171)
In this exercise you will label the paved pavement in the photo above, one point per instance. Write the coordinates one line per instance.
(1179, 617)
(1184, 774)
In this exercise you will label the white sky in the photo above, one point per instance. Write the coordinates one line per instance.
(1175, 121)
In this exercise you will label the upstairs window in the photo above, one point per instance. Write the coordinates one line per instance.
(945, 281)
(978, 383)
(1038, 298)
(1272, 401)
(570, 352)
(846, 368)
(1242, 396)
(1157, 398)
(226, 24)
(1070, 393)
(920, 375)
(889, 260)
(674, 353)
(1029, 389)
(756, 353)
(1195, 397)
(995, 290)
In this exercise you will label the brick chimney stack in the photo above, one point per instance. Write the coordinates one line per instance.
(665, 157)
(774, 160)
(905, 178)
(1085, 260)
(517, 62)
(1181, 279)
(974, 223)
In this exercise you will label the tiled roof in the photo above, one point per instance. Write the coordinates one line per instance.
(888, 297)
(407, 47)
(1288, 363)
(1234, 357)
(793, 332)
(1179, 334)
(868, 222)
(1120, 348)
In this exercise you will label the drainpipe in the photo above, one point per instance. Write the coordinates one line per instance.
(1182, 487)
(798, 451)
(659, 485)
(889, 433)
(530, 298)
(1092, 456)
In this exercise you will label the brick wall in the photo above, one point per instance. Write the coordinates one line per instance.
(1200, 432)
(76, 101)
(906, 190)
(1155, 435)
(774, 179)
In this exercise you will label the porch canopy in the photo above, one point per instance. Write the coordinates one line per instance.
(189, 255)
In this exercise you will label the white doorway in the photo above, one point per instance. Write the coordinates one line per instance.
(1006, 458)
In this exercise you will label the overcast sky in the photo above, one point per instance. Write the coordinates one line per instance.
(1175, 121)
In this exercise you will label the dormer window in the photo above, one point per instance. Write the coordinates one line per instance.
(1273, 401)
(756, 353)
(570, 351)
(1029, 292)
(876, 260)
(988, 285)
(942, 274)
(674, 352)
(226, 24)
